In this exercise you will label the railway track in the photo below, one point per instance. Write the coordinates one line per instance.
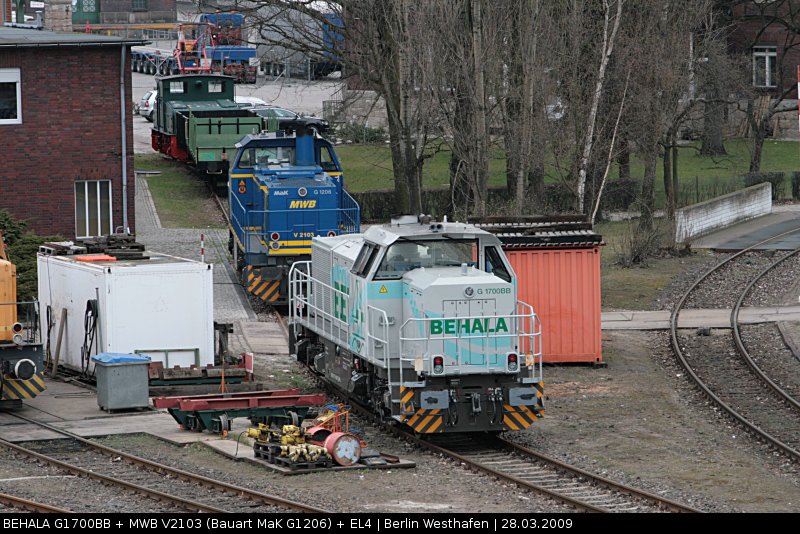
(160, 482)
(528, 469)
(726, 373)
(18, 503)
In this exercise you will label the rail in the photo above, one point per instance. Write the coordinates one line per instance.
(748, 424)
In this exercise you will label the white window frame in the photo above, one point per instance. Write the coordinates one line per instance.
(770, 55)
(86, 230)
(13, 76)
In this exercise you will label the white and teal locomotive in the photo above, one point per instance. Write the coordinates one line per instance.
(420, 320)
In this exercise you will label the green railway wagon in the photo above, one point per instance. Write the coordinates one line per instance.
(198, 122)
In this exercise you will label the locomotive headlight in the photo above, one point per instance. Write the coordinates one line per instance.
(274, 245)
(18, 339)
(512, 362)
(438, 365)
(302, 191)
(16, 328)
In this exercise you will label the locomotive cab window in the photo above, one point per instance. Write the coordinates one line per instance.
(327, 162)
(246, 159)
(365, 259)
(176, 87)
(495, 265)
(406, 255)
(216, 87)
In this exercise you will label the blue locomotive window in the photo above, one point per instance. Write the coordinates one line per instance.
(495, 265)
(273, 155)
(406, 255)
(246, 159)
(327, 162)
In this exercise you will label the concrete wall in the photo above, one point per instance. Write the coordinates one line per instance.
(70, 132)
(698, 219)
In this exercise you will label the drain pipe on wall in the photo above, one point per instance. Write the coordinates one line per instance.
(122, 106)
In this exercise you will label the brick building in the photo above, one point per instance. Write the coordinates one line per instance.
(62, 140)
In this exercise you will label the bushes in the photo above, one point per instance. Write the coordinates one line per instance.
(22, 247)
(776, 179)
(796, 185)
(353, 132)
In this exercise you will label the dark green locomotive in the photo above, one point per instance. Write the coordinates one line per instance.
(197, 121)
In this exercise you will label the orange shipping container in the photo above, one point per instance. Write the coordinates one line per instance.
(557, 263)
(563, 286)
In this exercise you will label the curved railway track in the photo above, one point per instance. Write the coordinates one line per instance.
(528, 469)
(730, 377)
(157, 481)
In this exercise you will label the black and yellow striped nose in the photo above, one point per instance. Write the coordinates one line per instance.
(426, 421)
(16, 389)
(266, 290)
(521, 417)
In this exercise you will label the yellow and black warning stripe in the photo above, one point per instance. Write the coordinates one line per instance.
(521, 417)
(266, 290)
(426, 421)
(406, 400)
(16, 389)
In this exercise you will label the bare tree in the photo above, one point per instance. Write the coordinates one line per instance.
(376, 41)
(612, 16)
(523, 88)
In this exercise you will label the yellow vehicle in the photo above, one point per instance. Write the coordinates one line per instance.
(21, 351)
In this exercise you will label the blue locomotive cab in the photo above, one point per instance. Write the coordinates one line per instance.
(286, 187)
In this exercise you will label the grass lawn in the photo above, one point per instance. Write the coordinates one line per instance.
(369, 167)
(182, 199)
(635, 288)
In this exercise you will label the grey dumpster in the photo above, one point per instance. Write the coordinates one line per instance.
(122, 381)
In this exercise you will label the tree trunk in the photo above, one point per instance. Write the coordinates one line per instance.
(668, 191)
(713, 122)
(401, 189)
(480, 167)
(648, 191)
(624, 159)
(676, 186)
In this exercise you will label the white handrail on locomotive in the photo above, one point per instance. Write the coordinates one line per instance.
(303, 287)
(533, 333)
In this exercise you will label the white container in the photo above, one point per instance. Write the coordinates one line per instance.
(162, 307)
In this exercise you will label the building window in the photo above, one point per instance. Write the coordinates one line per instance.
(10, 97)
(93, 208)
(765, 60)
(140, 5)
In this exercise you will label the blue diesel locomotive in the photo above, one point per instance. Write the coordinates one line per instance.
(285, 188)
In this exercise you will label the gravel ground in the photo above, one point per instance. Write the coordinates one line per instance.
(778, 287)
(765, 344)
(24, 477)
(722, 289)
(395, 490)
(640, 422)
